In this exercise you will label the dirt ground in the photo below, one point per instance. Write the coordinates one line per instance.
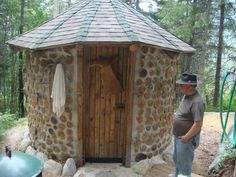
(210, 139)
(14, 136)
(204, 155)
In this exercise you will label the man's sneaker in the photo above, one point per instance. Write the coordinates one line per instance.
(171, 175)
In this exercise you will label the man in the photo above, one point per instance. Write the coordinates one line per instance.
(187, 124)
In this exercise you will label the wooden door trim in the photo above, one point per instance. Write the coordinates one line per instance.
(129, 103)
(80, 103)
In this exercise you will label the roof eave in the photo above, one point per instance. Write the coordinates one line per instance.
(22, 48)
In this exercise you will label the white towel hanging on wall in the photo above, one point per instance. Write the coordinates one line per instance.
(58, 91)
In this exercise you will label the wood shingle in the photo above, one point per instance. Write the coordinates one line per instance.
(97, 21)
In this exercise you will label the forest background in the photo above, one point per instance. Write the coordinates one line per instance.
(207, 25)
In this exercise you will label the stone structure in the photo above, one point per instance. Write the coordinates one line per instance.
(132, 124)
(55, 136)
(153, 102)
(152, 109)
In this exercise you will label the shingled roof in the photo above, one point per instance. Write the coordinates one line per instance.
(95, 21)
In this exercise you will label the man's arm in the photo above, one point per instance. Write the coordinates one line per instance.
(196, 127)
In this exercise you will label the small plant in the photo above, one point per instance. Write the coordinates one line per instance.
(226, 157)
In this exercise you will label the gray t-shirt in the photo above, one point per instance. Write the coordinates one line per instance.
(191, 109)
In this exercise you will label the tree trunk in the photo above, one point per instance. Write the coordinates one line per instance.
(219, 55)
(137, 5)
(58, 7)
(69, 3)
(21, 86)
(188, 62)
(204, 49)
(13, 85)
(4, 77)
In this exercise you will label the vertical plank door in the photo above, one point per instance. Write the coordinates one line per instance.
(104, 119)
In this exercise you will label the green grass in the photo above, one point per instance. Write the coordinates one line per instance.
(7, 121)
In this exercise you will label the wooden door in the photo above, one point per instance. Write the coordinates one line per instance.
(104, 128)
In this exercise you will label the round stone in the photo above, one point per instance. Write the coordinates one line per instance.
(53, 156)
(141, 103)
(152, 72)
(53, 120)
(144, 49)
(63, 118)
(143, 148)
(158, 71)
(140, 128)
(155, 127)
(152, 50)
(49, 142)
(141, 90)
(147, 95)
(148, 81)
(49, 150)
(147, 138)
(150, 155)
(69, 124)
(51, 131)
(150, 64)
(150, 103)
(142, 61)
(140, 156)
(148, 127)
(69, 131)
(70, 139)
(139, 82)
(56, 149)
(43, 146)
(63, 148)
(61, 135)
(149, 121)
(143, 73)
(139, 119)
(154, 147)
(61, 126)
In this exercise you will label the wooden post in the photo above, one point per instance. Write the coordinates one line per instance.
(129, 103)
(80, 113)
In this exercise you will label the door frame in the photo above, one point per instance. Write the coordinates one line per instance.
(82, 107)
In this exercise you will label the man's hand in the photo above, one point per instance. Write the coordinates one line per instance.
(184, 139)
(192, 132)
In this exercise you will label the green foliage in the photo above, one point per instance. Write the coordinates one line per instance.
(226, 103)
(210, 108)
(189, 20)
(174, 14)
(36, 12)
(228, 155)
(197, 23)
(7, 121)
